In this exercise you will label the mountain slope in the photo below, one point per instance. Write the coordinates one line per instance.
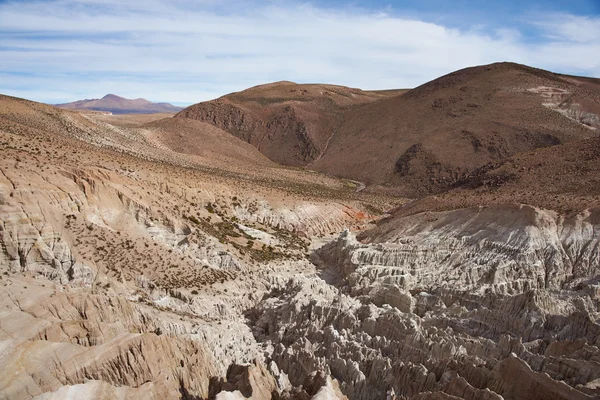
(564, 178)
(200, 139)
(435, 135)
(288, 122)
(120, 105)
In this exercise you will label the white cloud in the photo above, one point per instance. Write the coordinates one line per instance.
(184, 51)
(573, 28)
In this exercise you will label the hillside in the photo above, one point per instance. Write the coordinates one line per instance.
(289, 123)
(200, 139)
(120, 105)
(127, 120)
(435, 135)
(564, 178)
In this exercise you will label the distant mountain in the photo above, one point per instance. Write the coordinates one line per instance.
(120, 105)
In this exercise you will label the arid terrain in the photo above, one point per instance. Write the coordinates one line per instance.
(452, 250)
(127, 120)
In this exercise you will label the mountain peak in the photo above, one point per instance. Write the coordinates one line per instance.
(121, 105)
(111, 96)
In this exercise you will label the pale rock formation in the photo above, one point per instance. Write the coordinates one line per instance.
(561, 101)
(497, 303)
(56, 343)
(99, 390)
(251, 381)
(504, 250)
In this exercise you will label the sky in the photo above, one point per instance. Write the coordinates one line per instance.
(186, 51)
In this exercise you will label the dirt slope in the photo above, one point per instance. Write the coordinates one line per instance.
(201, 139)
(120, 105)
(426, 140)
(227, 156)
(288, 122)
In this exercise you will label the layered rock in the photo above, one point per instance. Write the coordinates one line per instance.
(55, 343)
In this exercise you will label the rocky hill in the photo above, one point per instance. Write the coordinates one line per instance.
(289, 123)
(564, 178)
(120, 105)
(126, 268)
(507, 261)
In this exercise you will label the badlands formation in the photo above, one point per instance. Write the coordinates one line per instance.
(175, 258)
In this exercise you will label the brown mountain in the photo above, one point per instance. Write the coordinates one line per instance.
(435, 135)
(120, 105)
(289, 123)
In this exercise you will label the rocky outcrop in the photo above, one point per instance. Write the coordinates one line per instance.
(55, 343)
(305, 219)
(251, 381)
(374, 351)
(566, 103)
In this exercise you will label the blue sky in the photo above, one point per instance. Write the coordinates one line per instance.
(185, 51)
